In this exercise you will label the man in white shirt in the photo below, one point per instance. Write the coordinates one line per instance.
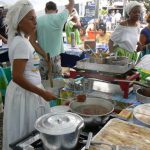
(117, 16)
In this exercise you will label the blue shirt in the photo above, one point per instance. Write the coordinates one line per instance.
(49, 32)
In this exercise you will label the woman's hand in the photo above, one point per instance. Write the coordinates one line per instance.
(48, 95)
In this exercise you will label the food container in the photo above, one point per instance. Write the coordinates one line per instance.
(141, 97)
(94, 111)
(121, 61)
(59, 131)
(86, 64)
(141, 114)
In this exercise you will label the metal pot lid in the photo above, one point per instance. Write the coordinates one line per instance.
(58, 123)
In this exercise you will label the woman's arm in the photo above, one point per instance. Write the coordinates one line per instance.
(18, 77)
(3, 39)
(35, 44)
(110, 45)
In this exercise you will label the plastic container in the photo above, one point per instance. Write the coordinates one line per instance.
(91, 34)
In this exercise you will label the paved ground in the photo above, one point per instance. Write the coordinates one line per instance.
(1, 125)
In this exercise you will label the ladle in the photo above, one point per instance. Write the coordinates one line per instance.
(134, 82)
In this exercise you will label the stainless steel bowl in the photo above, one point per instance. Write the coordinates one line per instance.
(141, 97)
(120, 61)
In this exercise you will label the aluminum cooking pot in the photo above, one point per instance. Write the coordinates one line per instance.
(59, 131)
(94, 111)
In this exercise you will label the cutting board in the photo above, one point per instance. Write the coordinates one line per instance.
(120, 132)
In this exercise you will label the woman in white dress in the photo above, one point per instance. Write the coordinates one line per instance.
(25, 94)
(124, 39)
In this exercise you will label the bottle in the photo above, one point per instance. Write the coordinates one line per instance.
(1, 43)
(73, 42)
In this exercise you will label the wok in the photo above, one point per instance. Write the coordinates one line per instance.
(94, 111)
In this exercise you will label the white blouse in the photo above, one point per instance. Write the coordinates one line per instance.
(126, 37)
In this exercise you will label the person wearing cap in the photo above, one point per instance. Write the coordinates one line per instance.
(103, 36)
(124, 39)
(48, 37)
(25, 93)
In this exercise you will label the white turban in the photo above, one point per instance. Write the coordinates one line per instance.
(15, 14)
(130, 6)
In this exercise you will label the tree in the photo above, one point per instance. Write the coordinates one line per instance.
(146, 4)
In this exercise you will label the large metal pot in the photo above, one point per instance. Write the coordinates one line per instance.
(94, 111)
(59, 131)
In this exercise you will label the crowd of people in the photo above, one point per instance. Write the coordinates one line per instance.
(35, 44)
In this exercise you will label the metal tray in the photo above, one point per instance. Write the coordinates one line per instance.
(86, 64)
(123, 133)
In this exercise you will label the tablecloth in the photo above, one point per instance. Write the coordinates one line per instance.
(71, 56)
(4, 53)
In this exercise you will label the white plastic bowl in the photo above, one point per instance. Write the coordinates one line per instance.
(59, 109)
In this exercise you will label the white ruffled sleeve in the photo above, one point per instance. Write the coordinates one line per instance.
(115, 36)
(21, 50)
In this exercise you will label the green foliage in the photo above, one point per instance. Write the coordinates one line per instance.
(103, 11)
(146, 4)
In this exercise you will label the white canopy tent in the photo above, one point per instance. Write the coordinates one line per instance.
(39, 4)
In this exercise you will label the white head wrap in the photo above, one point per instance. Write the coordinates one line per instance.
(130, 6)
(15, 14)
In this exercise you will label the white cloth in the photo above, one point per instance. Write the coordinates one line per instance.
(21, 48)
(130, 6)
(144, 63)
(126, 37)
(21, 106)
(14, 15)
(117, 17)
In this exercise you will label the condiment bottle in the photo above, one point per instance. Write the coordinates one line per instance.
(73, 42)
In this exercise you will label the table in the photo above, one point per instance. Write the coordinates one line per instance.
(4, 53)
(71, 56)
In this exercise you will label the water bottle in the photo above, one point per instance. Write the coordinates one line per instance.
(73, 42)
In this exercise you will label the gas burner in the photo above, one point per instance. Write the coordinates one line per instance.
(33, 142)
